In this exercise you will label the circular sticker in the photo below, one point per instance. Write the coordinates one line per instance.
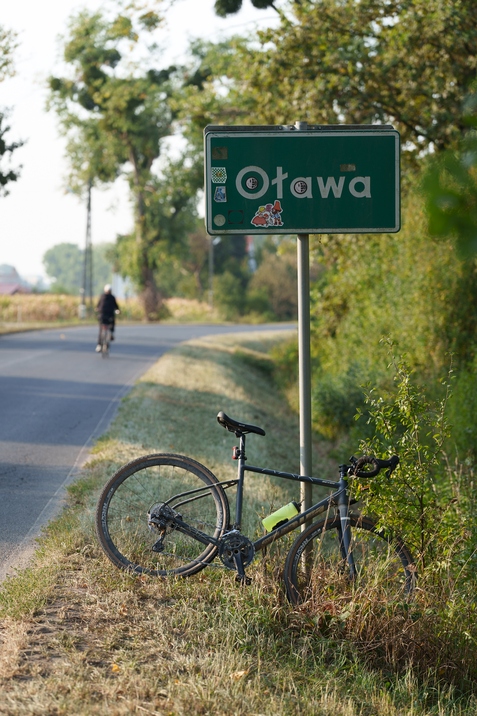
(251, 183)
(219, 219)
(300, 187)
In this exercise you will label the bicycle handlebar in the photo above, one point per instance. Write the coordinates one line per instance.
(358, 463)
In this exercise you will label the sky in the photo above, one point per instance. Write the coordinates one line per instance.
(39, 212)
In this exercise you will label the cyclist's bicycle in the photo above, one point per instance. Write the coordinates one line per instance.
(104, 339)
(167, 514)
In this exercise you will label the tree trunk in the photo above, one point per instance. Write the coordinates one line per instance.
(151, 298)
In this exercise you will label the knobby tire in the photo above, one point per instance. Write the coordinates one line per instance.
(136, 489)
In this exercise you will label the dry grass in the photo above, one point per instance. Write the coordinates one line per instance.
(79, 636)
(31, 311)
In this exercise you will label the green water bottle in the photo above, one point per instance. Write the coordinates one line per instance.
(278, 518)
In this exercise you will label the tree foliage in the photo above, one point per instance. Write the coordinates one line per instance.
(342, 61)
(230, 7)
(451, 188)
(7, 174)
(8, 44)
(7, 147)
(64, 264)
(169, 216)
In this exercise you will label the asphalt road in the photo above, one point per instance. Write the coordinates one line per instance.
(56, 396)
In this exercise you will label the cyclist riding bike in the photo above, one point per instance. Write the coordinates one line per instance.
(106, 311)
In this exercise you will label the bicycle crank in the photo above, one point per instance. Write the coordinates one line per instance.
(236, 552)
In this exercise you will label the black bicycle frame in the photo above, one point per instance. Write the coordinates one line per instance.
(338, 499)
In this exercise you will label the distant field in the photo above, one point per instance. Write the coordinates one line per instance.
(26, 312)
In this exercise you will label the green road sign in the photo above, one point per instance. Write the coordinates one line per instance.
(281, 180)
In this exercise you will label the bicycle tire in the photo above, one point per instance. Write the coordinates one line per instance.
(104, 341)
(382, 562)
(122, 515)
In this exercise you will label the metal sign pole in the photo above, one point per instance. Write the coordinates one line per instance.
(304, 359)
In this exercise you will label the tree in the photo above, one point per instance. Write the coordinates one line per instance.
(64, 265)
(169, 211)
(342, 61)
(115, 114)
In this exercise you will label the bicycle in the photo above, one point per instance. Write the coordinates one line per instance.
(166, 514)
(104, 339)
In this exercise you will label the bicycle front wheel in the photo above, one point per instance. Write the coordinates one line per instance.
(104, 341)
(316, 566)
(123, 515)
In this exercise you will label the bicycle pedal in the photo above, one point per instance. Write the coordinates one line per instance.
(158, 546)
(243, 580)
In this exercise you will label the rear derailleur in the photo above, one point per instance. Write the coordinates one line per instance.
(160, 518)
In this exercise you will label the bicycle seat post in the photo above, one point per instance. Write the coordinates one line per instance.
(239, 454)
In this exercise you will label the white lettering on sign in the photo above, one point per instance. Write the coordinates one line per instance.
(279, 181)
(300, 187)
(336, 188)
(252, 194)
(365, 192)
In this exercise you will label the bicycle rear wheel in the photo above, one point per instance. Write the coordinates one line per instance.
(382, 563)
(127, 534)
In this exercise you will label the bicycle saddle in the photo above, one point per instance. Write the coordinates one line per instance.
(234, 426)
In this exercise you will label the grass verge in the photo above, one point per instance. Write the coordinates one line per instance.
(79, 636)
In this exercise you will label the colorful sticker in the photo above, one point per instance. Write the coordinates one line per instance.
(268, 215)
(218, 175)
(220, 194)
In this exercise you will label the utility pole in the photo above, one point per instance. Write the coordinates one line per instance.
(87, 289)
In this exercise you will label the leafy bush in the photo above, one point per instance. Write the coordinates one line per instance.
(229, 295)
(431, 504)
(274, 286)
(463, 414)
(335, 400)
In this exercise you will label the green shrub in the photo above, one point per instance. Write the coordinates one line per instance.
(229, 295)
(427, 501)
(274, 284)
(463, 414)
(335, 400)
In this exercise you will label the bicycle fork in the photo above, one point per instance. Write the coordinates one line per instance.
(344, 530)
